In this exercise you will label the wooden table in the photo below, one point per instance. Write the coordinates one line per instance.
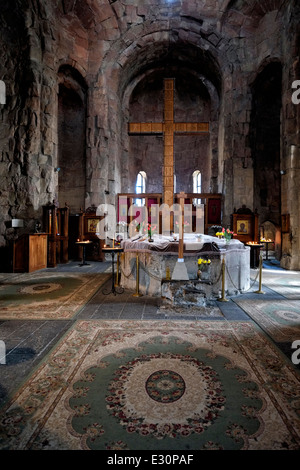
(84, 244)
(254, 253)
(267, 243)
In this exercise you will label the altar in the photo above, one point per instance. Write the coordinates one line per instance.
(165, 266)
(157, 261)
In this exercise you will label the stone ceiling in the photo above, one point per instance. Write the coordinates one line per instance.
(185, 22)
(90, 12)
(254, 8)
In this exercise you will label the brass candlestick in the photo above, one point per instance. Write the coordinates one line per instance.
(223, 298)
(137, 293)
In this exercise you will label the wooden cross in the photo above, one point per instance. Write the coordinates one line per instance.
(168, 128)
(181, 197)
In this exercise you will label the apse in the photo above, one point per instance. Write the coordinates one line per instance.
(197, 94)
(191, 152)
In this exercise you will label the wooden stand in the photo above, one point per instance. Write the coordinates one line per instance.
(63, 235)
(245, 225)
(255, 249)
(30, 253)
(56, 224)
(84, 245)
(88, 227)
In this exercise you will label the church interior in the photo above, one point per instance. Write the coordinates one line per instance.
(149, 225)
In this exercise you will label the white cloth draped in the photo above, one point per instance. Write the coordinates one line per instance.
(167, 244)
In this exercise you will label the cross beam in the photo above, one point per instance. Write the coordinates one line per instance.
(168, 128)
(181, 197)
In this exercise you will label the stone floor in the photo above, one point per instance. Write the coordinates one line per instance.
(28, 342)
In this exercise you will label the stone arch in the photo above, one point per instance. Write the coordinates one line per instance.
(199, 65)
(254, 9)
(122, 66)
(71, 129)
(189, 151)
(272, 231)
(78, 70)
(242, 18)
(160, 51)
(263, 67)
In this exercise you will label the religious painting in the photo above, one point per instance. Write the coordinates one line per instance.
(92, 225)
(242, 227)
(285, 223)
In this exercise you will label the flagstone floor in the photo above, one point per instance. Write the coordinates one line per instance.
(27, 342)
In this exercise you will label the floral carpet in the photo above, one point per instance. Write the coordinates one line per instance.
(280, 318)
(154, 385)
(48, 296)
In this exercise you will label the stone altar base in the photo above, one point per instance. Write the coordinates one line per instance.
(155, 265)
(188, 293)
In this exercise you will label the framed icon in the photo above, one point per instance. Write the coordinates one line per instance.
(242, 227)
(92, 225)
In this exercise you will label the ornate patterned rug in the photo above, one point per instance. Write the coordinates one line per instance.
(48, 296)
(283, 282)
(280, 318)
(138, 385)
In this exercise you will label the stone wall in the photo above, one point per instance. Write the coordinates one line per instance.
(290, 143)
(17, 120)
(114, 46)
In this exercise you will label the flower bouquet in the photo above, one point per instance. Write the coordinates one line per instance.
(145, 228)
(151, 230)
(202, 264)
(226, 233)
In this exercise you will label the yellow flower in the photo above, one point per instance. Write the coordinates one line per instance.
(203, 261)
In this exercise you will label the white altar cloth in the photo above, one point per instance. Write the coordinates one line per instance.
(167, 244)
(159, 257)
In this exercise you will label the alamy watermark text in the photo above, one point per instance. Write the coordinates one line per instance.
(2, 92)
(2, 352)
(296, 93)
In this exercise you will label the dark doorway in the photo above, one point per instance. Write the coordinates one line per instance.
(265, 141)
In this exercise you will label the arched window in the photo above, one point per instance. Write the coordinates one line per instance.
(140, 187)
(197, 185)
